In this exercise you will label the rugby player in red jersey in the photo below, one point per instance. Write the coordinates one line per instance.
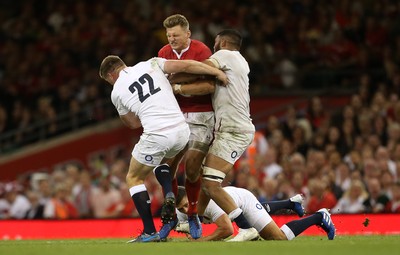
(199, 115)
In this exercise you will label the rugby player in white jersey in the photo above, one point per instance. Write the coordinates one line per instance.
(143, 97)
(258, 215)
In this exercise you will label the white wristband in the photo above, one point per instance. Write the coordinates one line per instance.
(177, 88)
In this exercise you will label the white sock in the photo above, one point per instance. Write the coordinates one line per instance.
(235, 213)
(288, 232)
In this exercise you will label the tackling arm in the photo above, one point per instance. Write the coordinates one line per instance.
(198, 88)
(187, 77)
(194, 67)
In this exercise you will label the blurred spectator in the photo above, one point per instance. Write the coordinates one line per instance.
(273, 124)
(377, 201)
(270, 168)
(298, 184)
(128, 210)
(352, 199)
(316, 113)
(36, 210)
(19, 204)
(59, 206)
(334, 138)
(387, 181)
(269, 190)
(44, 188)
(81, 195)
(320, 196)
(395, 203)
(106, 200)
(382, 155)
(342, 176)
(118, 172)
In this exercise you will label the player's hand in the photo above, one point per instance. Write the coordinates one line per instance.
(182, 227)
(221, 76)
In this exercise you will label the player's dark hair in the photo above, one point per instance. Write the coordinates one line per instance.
(233, 37)
(109, 64)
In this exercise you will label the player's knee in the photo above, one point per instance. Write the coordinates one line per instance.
(192, 173)
(193, 161)
(132, 179)
(192, 177)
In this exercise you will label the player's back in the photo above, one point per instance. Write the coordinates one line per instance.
(144, 90)
(239, 195)
(196, 51)
(232, 102)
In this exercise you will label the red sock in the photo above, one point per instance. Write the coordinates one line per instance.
(175, 187)
(193, 191)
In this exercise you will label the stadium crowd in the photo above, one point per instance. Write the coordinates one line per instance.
(345, 159)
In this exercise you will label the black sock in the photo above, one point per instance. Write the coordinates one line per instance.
(274, 206)
(298, 226)
(163, 175)
(143, 206)
(242, 222)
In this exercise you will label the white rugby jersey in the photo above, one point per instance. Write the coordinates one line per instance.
(232, 103)
(144, 90)
(212, 212)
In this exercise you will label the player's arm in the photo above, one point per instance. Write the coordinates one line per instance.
(224, 229)
(197, 88)
(184, 77)
(131, 120)
(194, 67)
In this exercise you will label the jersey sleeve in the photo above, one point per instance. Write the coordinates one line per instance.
(160, 62)
(116, 100)
(213, 211)
(162, 53)
(219, 59)
(204, 53)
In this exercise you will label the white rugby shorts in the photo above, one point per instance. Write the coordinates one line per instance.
(201, 126)
(254, 212)
(153, 148)
(230, 146)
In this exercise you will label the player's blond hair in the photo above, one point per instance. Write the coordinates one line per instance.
(109, 64)
(176, 20)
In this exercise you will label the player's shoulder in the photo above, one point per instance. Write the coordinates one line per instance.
(224, 52)
(164, 50)
(199, 45)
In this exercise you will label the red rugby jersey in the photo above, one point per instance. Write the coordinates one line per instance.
(200, 52)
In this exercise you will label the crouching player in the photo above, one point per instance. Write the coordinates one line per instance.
(258, 216)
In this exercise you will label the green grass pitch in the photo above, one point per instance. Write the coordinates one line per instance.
(308, 245)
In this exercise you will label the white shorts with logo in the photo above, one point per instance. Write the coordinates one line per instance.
(201, 126)
(254, 212)
(252, 209)
(153, 148)
(230, 146)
